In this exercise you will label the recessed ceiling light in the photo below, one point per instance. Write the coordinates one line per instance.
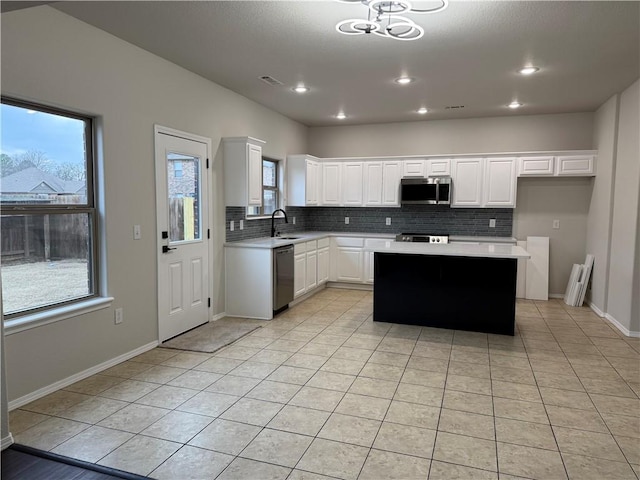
(528, 70)
(514, 105)
(300, 89)
(422, 110)
(341, 116)
(404, 80)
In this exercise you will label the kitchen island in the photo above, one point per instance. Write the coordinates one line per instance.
(464, 287)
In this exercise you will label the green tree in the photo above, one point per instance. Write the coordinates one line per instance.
(7, 165)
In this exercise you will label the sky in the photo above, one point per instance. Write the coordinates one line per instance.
(61, 138)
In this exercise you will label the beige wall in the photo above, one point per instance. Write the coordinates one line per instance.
(52, 58)
(623, 274)
(571, 131)
(599, 220)
(542, 200)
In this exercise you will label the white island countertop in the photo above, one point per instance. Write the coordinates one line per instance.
(452, 249)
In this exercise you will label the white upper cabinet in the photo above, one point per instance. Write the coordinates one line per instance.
(467, 176)
(372, 184)
(352, 184)
(303, 181)
(414, 168)
(331, 183)
(560, 165)
(500, 182)
(542, 166)
(391, 175)
(576, 165)
(254, 153)
(243, 171)
(438, 167)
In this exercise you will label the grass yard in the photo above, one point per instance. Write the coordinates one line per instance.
(35, 284)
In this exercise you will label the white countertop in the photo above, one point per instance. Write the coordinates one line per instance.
(452, 249)
(300, 237)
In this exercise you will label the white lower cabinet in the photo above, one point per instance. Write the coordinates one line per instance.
(323, 260)
(312, 266)
(369, 256)
(349, 264)
(299, 274)
(350, 260)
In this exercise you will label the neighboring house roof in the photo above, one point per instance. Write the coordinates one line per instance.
(35, 180)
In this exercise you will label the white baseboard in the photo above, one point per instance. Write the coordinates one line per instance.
(351, 286)
(65, 382)
(621, 327)
(597, 311)
(308, 295)
(218, 316)
(556, 295)
(6, 442)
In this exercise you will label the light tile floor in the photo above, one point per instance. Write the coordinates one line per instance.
(323, 391)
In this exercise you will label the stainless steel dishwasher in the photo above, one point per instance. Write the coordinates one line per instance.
(282, 277)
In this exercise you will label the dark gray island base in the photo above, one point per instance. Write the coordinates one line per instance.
(456, 292)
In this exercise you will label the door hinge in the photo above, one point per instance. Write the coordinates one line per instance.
(207, 163)
(209, 302)
(208, 233)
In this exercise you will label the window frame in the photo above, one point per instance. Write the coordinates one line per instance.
(275, 188)
(61, 309)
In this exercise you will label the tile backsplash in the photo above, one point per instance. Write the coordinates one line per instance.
(433, 219)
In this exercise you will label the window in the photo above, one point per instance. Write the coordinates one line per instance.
(177, 168)
(48, 239)
(270, 189)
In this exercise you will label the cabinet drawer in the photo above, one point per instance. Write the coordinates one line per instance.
(310, 246)
(323, 242)
(349, 242)
(376, 242)
(299, 248)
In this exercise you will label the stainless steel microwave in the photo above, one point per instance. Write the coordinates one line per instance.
(430, 191)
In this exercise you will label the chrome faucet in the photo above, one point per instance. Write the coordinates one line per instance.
(273, 215)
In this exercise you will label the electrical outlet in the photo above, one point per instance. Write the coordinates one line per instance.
(137, 232)
(118, 316)
(492, 223)
(388, 222)
(241, 224)
(294, 220)
(556, 224)
(232, 226)
(346, 220)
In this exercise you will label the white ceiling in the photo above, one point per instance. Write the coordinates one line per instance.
(586, 51)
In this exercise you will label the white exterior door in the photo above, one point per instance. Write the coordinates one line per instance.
(182, 199)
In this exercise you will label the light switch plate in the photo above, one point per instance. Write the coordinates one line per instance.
(232, 226)
(241, 224)
(346, 220)
(492, 223)
(388, 221)
(137, 232)
(556, 224)
(118, 316)
(294, 220)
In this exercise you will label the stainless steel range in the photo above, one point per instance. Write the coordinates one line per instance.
(422, 237)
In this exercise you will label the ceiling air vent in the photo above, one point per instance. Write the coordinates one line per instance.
(270, 80)
(453, 107)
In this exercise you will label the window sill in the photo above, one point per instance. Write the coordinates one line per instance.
(27, 322)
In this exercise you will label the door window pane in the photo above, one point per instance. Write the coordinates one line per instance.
(184, 197)
(46, 259)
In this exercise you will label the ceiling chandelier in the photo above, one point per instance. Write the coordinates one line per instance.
(384, 18)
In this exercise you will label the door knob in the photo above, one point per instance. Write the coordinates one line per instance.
(166, 249)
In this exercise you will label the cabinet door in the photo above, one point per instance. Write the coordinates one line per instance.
(352, 180)
(299, 274)
(438, 167)
(331, 176)
(254, 174)
(467, 182)
(349, 264)
(372, 184)
(535, 166)
(323, 265)
(391, 174)
(413, 168)
(500, 182)
(368, 267)
(312, 270)
(576, 165)
(312, 179)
